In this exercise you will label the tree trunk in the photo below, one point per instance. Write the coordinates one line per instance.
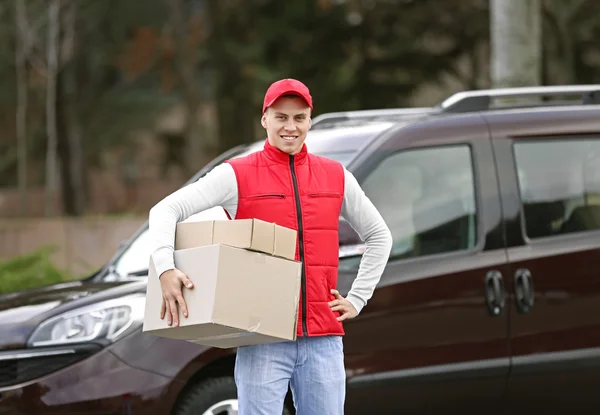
(51, 159)
(63, 150)
(75, 197)
(21, 116)
(515, 42)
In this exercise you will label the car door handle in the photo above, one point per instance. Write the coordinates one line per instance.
(494, 293)
(524, 292)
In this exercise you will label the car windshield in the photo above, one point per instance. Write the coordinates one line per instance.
(341, 145)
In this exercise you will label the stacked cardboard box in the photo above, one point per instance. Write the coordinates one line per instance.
(246, 284)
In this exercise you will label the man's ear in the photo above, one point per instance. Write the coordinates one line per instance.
(309, 123)
(263, 120)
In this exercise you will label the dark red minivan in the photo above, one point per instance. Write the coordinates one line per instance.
(489, 303)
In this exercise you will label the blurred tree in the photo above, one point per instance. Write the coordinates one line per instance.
(52, 68)
(97, 99)
(573, 30)
(308, 41)
(187, 26)
(120, 65)
(70, 143)
(353, 54)
(398, 45)
(21, 51)
(234, 54)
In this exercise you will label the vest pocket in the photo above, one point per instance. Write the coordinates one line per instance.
(326, 194)
(267, 196)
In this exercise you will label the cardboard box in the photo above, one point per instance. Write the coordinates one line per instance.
(252, 234)
(240, 296)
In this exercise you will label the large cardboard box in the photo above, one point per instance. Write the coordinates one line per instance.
(241, 294)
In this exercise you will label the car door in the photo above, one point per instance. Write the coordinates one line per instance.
(551, 185)
(428, 341)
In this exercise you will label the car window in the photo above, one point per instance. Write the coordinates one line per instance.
(559, 185)
(427, 198)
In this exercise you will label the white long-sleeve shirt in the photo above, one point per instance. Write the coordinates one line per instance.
(219, 188)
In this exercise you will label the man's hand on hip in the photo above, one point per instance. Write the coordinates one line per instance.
(171, 282)
(342, 305)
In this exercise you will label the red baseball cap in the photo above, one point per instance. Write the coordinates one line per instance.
(286, 86)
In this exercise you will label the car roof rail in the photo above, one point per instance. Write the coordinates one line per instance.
(332, 119)
(467, 101)
(481, 100)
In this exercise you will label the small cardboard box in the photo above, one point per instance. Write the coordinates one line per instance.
(240, 296)
(253, 234)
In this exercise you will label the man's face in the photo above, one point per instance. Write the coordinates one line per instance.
(287, 121)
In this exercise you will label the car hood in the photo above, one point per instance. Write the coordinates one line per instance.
(21, 312)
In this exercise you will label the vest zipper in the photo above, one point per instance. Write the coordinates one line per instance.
(300, 244)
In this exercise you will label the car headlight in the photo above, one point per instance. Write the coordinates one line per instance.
(103, 322)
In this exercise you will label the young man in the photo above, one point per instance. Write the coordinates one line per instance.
(285, 184)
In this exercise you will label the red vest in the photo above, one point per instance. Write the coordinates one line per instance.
(302, 192)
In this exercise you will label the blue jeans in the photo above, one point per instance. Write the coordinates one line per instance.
(312, 366)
